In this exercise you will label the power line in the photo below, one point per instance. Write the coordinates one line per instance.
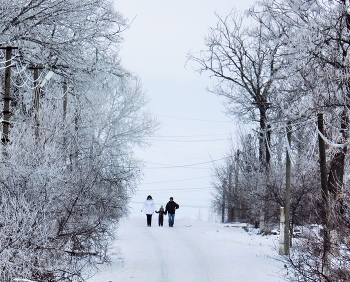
(178, 180)
(194, 119)
(188, 189)
(185, 206)
(188, 136)
(188, 165)
(185, 141)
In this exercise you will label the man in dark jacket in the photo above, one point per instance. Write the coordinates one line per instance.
(170, 208)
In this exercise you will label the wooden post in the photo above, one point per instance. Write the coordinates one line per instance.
(7, 95)
(282, 245)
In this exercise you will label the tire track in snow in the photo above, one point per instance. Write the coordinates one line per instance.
(159, 250)
(202, 260)
(182, 254)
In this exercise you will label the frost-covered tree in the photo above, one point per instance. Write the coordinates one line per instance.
(63, 34)
(244, 60)
(237, 183)
(68, 197)
(244, 57)
(68, 169)
(317, 45)
(304, 47)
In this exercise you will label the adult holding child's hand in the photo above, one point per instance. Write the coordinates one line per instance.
(170, 208)
(149, 208)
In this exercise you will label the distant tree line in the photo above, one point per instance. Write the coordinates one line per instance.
(283, 66)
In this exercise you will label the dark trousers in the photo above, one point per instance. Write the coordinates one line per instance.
(149, 219)
(160, 220)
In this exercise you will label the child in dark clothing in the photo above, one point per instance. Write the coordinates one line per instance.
(161, 213)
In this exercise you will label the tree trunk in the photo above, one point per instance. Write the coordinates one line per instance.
(264, 158)
(264, 141)
(223, 205)
(230, 205)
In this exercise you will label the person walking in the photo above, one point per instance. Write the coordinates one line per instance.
(149, 207)
(170, 208)
(161, 213)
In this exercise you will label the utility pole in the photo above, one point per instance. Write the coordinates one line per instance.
(287, 233)
(282, 246)
(230, 200)
(7, 95)
(235, 202)
(325, 196)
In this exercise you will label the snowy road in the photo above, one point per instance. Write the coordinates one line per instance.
(191, 251)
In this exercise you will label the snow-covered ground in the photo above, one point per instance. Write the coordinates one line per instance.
(191, 251)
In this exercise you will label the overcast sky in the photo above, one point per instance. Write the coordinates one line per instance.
(194, 128)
